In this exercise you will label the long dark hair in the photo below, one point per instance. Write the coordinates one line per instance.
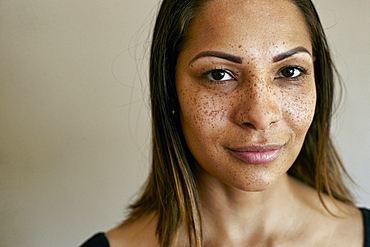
(171, 192)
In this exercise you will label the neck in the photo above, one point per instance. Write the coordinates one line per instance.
(233, 215)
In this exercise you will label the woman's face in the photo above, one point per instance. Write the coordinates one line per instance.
(246, 88)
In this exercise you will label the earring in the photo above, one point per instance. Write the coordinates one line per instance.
(173, 112)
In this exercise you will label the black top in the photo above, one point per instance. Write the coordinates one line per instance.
(366, 214)
(99, 240)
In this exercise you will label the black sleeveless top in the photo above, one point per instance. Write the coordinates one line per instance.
(366, 214)
(99, 240)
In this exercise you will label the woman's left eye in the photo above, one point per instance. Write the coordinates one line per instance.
(291, 72)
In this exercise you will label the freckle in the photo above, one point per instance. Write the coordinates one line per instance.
(240, 46)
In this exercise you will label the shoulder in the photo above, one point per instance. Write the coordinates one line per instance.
(139, 233)
(339, 224)
(343, 228)
(349, 226)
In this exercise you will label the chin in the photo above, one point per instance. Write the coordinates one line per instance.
(258, 183)
(253, 187)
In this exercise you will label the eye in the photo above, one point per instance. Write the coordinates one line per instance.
(218, 75)
(291, 72)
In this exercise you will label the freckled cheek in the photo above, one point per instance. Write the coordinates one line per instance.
(202, 113)
(299, 111)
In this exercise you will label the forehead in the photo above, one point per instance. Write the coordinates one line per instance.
(253, 24)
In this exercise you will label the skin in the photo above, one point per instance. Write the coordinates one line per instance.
(258, 102)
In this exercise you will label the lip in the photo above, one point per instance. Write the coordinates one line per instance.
(257, 154)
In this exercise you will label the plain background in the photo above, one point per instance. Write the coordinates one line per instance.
(74, 119)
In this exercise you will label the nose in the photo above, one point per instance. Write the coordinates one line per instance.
(261, 105)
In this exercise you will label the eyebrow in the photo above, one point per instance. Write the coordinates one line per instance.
(289, 53)
(218, 54)
(239, 60)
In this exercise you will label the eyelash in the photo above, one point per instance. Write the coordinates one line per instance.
(227, 72)
(302, 72)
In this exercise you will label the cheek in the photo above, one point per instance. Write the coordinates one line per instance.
(202, 115)
(299, 110)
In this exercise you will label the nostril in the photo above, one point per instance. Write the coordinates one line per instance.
(248, 124)
(259, 123)
(251, 125)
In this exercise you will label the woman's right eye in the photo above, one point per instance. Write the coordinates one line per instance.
(218, 75)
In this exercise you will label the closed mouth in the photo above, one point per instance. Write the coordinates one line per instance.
(257, 154)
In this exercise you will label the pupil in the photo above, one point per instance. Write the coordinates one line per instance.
(218, 75)
(289, 72)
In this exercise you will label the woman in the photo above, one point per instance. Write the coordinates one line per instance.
(242, 95)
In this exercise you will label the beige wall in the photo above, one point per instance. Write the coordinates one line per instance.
(74, 125)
